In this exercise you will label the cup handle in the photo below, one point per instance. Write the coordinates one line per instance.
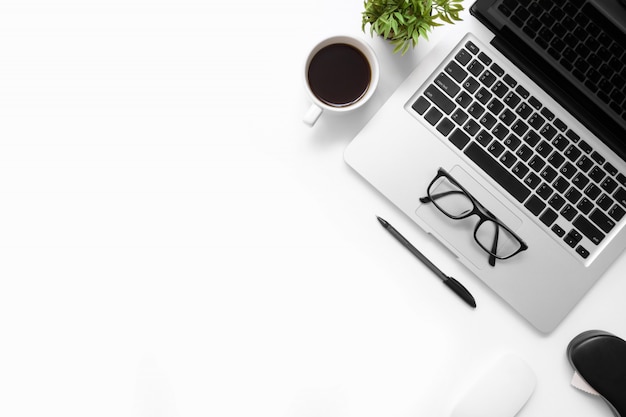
(312, 114)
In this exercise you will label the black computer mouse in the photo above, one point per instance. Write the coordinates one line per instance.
(599, 358)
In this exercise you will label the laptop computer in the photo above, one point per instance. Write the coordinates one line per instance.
(508, 144)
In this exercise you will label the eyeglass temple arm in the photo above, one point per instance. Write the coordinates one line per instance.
(437, 196)
(494, 247)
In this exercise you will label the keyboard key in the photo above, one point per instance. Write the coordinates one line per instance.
(483, 95)
(476, 110)
(547, 113)
(471, 85)
(548, 174)
(455, 71)
(471, 47)
(556, 159)
(447, 85)
(471, 127)
(503, 177)
(572, 153)
(544, 149)
(536, 163)
(522, 92)
(510, 80)
(459, 116)
(567, 170)
(534, 102)
(598, 158)
(520, 170)
(544, 191)
(508, 159)
(497, 70)
(597, 174)
(602, 220)
(484, 138)
(561, 184)
(573, 136)
(609, 185)
(532, 181)
(560, 142)
(433, 116)
(487, 78)
(436, 96)
(558, 230)
(445, 126)
(572, 238)
(548, 131)
(536, 121)
(523, 110)
(507, 117)
(484, 58)
(475, 68)
(585, 205)
(590, 231)
(569, 212)
(500, 131)
(421, 105)
(463, 99)
(620, 196)
(459, 139)
(512, 142)
(580, 181)
(585, 147)
(617, 213)
(573, 195)
(610, 168)
(524, 153)
(496, 148)
(519, 127)
(532, 139)
(592, 191)
(584, 253)
(499, 89)
(556, 202)
(584, 164)
(548, 217)
(605, 202)
(495, 106)
(559, 124)
(512, 100)
(535, 205)
(463, 57)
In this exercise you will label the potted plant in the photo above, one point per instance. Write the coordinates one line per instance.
(403, 21)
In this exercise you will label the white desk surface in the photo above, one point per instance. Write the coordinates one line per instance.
(176, 242)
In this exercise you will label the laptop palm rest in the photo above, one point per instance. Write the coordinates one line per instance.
(458, 235)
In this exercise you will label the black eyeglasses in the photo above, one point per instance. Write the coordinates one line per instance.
(493, 236)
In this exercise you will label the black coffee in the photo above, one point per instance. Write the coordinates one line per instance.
(339, 74)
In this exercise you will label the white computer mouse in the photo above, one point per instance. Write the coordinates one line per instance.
(500, 391)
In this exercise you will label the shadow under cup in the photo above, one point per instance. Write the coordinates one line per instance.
(341, 74)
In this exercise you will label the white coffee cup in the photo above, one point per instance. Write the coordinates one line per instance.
(336, 77)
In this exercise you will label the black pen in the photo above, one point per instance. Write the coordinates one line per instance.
(452, 283)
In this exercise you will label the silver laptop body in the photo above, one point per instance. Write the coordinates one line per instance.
(400, 153)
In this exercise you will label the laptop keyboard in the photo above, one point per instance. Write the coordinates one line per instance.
(570, 187)
(579, 39)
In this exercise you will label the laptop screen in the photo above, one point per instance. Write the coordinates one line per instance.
(574, 49)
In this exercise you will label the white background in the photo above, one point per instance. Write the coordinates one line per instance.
(174, 241)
